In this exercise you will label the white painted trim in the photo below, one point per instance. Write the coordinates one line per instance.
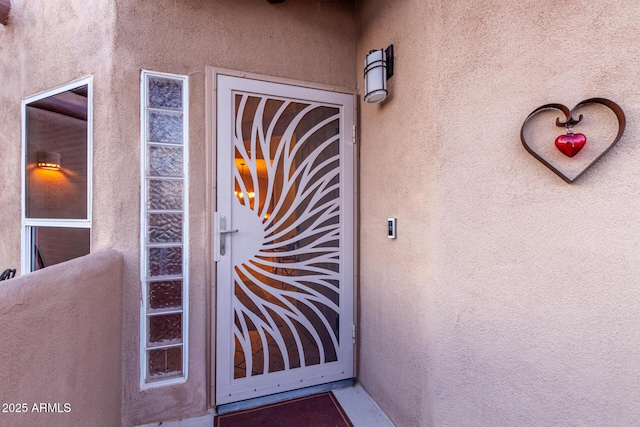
(90, 158)
(143, 231)
(212, 124)
(215, 72)
(211, 206)
(284, 396)
(28, 223)
(25, 238)
(143, 227)
(286, 380)
(88, 80)
(62, 223)
(185, 248)
(163, 383)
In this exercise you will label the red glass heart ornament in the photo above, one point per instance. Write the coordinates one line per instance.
(571, 143)
(555, 163)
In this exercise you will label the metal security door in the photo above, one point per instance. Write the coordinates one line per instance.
(283, 238)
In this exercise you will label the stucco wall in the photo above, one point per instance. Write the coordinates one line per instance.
(304, 40)
(44, 45)
(510, 297)
(61, 344)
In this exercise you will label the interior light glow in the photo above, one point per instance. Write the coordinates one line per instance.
(240, 194)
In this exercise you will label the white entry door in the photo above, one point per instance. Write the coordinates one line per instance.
(283, 238)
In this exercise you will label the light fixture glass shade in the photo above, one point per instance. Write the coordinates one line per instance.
(375, 77)
(48, 160)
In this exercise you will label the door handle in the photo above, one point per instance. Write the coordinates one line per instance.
(219, 236)
(222, 233)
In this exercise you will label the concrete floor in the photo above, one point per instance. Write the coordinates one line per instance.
(360, 407)
(356, 402)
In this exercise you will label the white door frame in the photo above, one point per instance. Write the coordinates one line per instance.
(219, 115)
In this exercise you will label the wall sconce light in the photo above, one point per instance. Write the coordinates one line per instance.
(48, 160)
(378, 68)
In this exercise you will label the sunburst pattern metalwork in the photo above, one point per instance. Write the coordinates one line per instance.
(286, 293)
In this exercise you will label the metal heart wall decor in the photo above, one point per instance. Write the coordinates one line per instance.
(597, 119)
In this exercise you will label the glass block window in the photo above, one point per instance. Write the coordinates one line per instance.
(164, 228)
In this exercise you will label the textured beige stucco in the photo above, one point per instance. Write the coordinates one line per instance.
(61, 344)
(50, 43)
(303, 40)
(44, 45)
(510, 297)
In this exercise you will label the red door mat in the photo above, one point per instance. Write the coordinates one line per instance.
(319, 410)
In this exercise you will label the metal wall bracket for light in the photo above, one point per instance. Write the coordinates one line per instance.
(378, 68)
(48, 160)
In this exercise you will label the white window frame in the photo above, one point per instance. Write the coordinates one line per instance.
(29, 223)
(144, 381)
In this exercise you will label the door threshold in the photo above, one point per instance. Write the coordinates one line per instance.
(280, 397)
